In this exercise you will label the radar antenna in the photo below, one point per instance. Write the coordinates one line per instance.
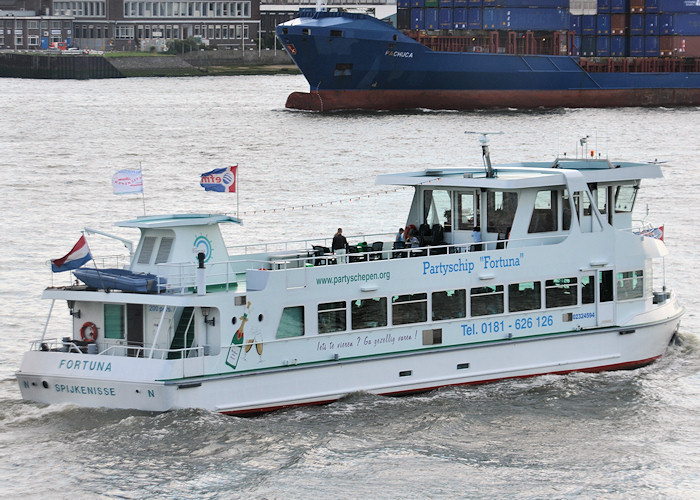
(485, 153)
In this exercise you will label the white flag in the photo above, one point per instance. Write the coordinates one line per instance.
(127, 182)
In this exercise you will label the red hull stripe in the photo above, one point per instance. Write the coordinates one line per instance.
(333, 100)
(620, 366)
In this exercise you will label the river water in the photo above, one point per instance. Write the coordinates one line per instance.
(612, 435)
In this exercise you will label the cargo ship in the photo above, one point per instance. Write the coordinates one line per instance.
(464, 54)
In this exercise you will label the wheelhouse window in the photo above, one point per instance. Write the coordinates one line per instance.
(331, 317)
(624, 198)
(487, 300)
(291, 323)
(368, 313)
(500, 211)
(409, 308)
(467, 210)
(587, 289)
(437, 207)
(561, 292)
(630, 285)
(114, 321)
(544, 216)
(449, 304)
(524, 296)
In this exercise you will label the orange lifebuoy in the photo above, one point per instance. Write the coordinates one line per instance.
(88, 332)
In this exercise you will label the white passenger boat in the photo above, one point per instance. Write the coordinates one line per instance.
(558, 279)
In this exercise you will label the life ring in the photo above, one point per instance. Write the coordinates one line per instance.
(88, 332)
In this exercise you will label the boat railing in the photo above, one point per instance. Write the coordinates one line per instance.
(307, 244)
(137, 351)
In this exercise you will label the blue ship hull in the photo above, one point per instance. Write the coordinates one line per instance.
(353, 61)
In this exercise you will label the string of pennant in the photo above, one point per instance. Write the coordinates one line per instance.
(331, 202)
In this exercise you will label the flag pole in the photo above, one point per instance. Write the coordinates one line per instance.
(99, 276)
(143, 191)
(237, 189)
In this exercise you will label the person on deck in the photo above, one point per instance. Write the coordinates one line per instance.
(339, 245)
(399, 235)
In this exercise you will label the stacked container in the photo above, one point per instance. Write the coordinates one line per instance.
(619, 28)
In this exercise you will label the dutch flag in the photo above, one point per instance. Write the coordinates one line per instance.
(79, 255)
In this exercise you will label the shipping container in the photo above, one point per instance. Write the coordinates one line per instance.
(460, 3)
(683, 24)
(490, 3)
(471, 3)
(431, 18)
(417, 4)
(432, 4)
(651, 46)
(602, 24)
(576, 49)
(492, 19)
(417, 19)
(588, 46)
(680, 46)
(618, 46)
(637, 24)
(403, 19)
(636, 7)
(402, 4)
(575, 24)
(539, 4)
(619, 6)
(651, 24)
(460, 19)
(678, 5)
(636, 46)
(540, 19)
(604, 6)
(476, 18)
(618, 24)
(602, 46)
(445, 3)
(651, 6)
(445, 19)
(588, 25)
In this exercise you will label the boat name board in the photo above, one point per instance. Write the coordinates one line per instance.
(467, 266)
(396, 53)
(93, 366)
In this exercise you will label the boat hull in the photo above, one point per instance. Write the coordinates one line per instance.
(69, 379)
(357, 62)
(391, 100)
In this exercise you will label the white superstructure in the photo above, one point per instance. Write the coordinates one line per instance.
(522, 269)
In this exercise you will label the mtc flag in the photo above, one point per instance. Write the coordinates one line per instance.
(127, 182)
(222, 180)
(79, 255)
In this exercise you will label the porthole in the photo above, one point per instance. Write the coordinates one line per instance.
(260, 317)
(233, 320)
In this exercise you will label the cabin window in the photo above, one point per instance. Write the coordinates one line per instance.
(291, 323)
(467, 210)
(146, 250)
(587, 289)
(331, 317)
(410, 308)
(624, 198)
(487, 300)
(524, 296)
(164, 250)
(606, 286)
(114, 321)
(437, 207)
(561, 292)
(449, 304)
(630, 285)
(602, 197)
(368, 313)
(565, 211)
(500, 211)
(544, 216)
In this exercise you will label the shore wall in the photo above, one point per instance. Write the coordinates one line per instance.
(81, 66)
